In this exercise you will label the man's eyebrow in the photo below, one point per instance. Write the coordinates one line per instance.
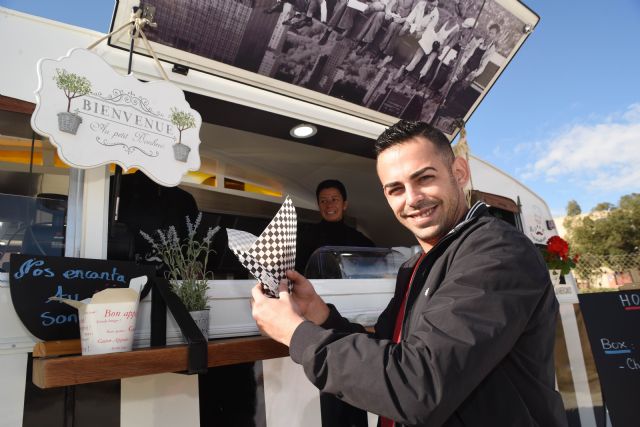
(412, 176)
(391, 184)
(421, 171)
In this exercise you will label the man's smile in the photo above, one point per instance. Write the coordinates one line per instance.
(422, 214)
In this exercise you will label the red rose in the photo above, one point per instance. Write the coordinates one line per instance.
(557, 245)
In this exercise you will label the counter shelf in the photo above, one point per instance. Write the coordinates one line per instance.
(58, 363)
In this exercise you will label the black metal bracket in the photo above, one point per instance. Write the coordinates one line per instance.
(162, 298)
(149, 12)
(180, 69)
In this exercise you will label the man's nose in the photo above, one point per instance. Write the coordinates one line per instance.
(414, 196)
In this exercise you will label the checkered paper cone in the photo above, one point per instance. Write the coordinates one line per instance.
(268, 257)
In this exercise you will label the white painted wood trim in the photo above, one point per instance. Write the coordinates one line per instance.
(160, 400)
(95, 210)
(578, 369)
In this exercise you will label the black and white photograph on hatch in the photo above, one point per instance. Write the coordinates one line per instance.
(429, 60)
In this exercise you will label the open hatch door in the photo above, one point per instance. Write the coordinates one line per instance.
(380, 60)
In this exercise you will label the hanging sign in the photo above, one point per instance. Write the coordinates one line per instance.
(95, 116)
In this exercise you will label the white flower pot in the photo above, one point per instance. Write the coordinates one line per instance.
(201, 318)
(555, 277)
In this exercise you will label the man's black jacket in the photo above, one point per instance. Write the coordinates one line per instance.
(477, 339)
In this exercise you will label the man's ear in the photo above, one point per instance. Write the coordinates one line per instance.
(460, 171)
(344, 206)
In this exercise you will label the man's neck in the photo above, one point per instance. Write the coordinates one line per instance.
(427, 246)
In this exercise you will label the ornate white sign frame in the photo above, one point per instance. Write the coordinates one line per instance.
(95, 116)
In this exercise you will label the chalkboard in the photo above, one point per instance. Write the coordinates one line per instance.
(612, 320)
(33, 279)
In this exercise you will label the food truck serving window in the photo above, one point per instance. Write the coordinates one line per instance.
(34, 184)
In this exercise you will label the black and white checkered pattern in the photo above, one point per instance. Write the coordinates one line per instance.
(268, 257)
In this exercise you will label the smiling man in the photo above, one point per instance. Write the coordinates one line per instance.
(331, 196)
(422, 183)
(466, 340)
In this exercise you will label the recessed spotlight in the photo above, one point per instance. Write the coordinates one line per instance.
(303, 131)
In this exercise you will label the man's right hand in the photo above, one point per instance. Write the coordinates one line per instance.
(311, 306)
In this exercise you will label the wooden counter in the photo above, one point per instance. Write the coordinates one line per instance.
(54, 367)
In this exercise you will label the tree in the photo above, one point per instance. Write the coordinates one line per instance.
(573, 208)
(73, 85)
(603, 207)
(182, 120)
(616, 233)
(630, 202)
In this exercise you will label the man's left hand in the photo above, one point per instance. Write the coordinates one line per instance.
(276, 317)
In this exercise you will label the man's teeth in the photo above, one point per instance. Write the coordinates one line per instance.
(424, 213)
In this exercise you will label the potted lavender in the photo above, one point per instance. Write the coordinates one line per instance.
(186, 266)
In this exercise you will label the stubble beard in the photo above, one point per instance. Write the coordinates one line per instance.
(447, 220)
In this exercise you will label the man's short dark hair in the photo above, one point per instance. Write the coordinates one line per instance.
(331, 183)
(405, 130)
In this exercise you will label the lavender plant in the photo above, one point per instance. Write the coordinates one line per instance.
(186, 261)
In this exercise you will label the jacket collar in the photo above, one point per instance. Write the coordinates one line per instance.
(477, 210)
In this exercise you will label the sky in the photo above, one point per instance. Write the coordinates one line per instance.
(563, 118)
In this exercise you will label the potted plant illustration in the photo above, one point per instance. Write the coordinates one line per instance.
(73, 86)
(186, 266)
(183, 121)
(556, 255)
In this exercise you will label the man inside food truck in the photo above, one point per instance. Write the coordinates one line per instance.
(331, 196)
(466, 340)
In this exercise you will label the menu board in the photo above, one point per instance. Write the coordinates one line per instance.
(33, 279)
(612, 320)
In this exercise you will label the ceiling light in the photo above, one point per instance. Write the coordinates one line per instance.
(303, 131)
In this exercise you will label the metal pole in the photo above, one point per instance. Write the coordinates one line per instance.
(117, 177)
(33, 142)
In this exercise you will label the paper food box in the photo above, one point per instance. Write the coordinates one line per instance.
(108, 319)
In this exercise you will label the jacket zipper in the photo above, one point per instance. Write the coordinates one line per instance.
(428, 259)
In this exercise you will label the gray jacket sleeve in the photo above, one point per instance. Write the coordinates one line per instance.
(482, 296)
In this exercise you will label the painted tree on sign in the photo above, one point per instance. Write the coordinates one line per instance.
(72, 85)
(182, 120)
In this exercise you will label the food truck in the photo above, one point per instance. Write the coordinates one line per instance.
(254, 71)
